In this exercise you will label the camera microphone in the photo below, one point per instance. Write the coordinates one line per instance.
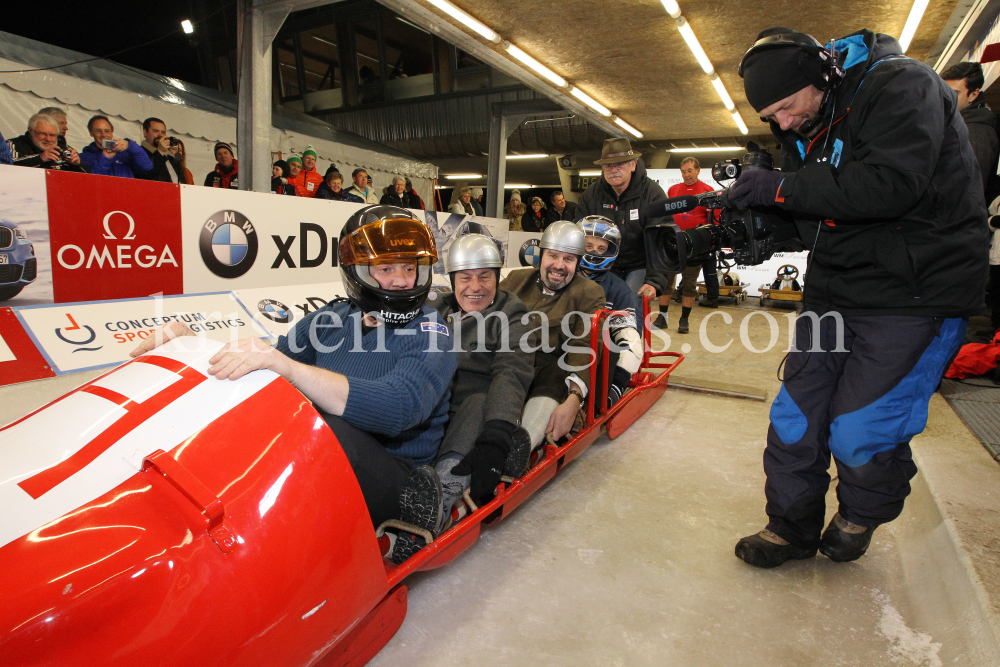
(681, 204)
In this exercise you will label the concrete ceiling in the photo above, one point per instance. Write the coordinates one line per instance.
(630, 57)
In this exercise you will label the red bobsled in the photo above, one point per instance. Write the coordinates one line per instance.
(156, 516)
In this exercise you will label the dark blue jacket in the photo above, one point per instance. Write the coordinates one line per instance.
(125, 165)
(325, 192)
(400, 394)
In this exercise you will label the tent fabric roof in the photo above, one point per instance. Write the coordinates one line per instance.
(193, 110)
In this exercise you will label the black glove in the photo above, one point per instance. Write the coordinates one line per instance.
(995, 222)
(619, 385)
(486, 460)
(756, 188)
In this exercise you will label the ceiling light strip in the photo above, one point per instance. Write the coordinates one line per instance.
(590, 101)
(912, 23)
(466, 20)
(707, 149)
(534, 64)
(628, 128)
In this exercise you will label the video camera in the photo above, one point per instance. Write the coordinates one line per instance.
(750, 233)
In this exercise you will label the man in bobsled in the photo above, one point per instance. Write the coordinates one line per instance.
(562, 303)
(484, 439)
(603, 243)
(377, 366)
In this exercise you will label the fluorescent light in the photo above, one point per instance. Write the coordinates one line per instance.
(516, 186)
(628, 128)
(723, 94)
(595, 172)
(188, 28)
(466, 20)
(590, 101)
(699, 53)
(533, 64)
(672, 8)
(707, 149)
(532, 156)
(326, 41)
(738, 119)
(912, 22)
(466, 177)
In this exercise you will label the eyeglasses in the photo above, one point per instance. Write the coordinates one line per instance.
(617, 166)
(48, 135)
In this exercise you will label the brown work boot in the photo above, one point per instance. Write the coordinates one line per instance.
(767, 550)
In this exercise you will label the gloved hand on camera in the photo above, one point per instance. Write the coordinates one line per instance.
(619, 385)
(486, 460)
(756, 188)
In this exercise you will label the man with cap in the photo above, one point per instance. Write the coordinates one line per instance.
(484, 439)
(621, 194)
(882, 185)
(561, 302)
(227, 169)
(377, 366)
(308, 180)
(603, 241)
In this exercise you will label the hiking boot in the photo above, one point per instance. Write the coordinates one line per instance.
(682, 325)
(710, 303)
(519, 455)
(767, 550)
(421, 505)
(659, 320)
(844, 541)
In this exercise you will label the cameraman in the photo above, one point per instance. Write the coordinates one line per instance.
(883, 186)
(161, 153)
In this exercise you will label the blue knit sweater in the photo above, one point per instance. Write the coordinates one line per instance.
(399, 394)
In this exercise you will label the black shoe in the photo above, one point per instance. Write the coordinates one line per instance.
(755, 550)
(682, 325)
(659, 321)
(421, 504)
(710, 303)
(519, 455)
(841, 546)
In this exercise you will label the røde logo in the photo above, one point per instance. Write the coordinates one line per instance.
(117, 256)
(228, 244)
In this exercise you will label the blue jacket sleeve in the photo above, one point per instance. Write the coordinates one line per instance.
(5, 155)
(137, 158)
(95, 162)
(296, 344)
(407, 396)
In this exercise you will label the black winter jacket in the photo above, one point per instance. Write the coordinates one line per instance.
(894, 192)
(408, 200)
(982, 126)
(26, 154)
(600, 199)
(568, 213)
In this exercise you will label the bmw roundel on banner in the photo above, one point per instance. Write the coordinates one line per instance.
(275, 311)
(530, 253)
(228, 244)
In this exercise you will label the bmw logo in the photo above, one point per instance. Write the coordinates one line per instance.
(228, 244)
(530, 254)
(275, 311)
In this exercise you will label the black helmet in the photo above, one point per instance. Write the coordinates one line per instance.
(383, 235)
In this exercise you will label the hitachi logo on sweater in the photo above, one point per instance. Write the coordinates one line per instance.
(389, 316)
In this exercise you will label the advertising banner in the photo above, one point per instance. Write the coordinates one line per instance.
(76, 337)
(20, 361)
(113, 238)
(524, 250)
(25, 269)
(765, 274)
(277, 309)
(447, 227)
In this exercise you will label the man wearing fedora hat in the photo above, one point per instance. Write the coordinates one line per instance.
(622, 192)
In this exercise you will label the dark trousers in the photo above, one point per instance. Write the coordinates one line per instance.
(862, 405)
(711, 275)
(381, 475)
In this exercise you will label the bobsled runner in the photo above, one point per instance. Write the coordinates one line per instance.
(156, 516)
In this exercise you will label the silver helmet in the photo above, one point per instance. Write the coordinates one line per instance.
(473, 251)
(564, 236)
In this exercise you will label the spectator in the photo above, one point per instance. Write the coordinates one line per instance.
(5, 156)
(477, 201)
(294, 169)
(39, 147)
(398, 196)
(409, 188)
(463, 205)
(515, 209)
(560, 209)
(361, 188)
(59, 116)
(622, 193)
(534, 220)
(156, 143)
(182, 161)
(966, 79)
(333, 188)
(112, 157)
(227, 170)
(281, 174)
(308, 180)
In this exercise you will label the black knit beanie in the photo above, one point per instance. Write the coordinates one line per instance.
(775, 73)
(283, 166)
